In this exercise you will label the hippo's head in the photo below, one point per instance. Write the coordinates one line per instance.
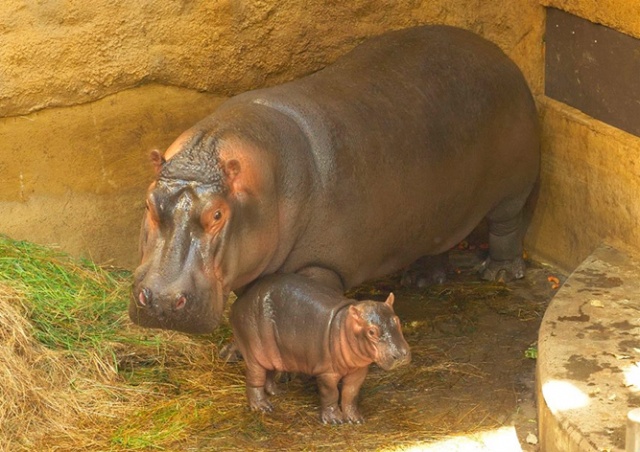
(192, 255)
(382, 332)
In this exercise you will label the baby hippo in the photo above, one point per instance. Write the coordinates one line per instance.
(288, 322)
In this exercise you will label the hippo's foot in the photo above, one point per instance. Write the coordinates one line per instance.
(502, 271)
(426, 271)
(352, 415)
(258, 399)
(230, 353)
(270, 385)
(416, 279)
(332, 414)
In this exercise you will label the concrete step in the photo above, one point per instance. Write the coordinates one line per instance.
(588, 369)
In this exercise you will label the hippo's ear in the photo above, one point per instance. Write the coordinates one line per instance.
(231, 169)
(234, 176)
(157, 159)
(390, 299)
(356, 314)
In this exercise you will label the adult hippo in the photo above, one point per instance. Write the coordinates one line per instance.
(396, 151)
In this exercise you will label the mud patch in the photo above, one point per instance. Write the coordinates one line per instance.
(624, 325)
(575, 318)
(579, 368)
(600, 280)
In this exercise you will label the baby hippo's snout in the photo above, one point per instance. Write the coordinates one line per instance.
(394, 351)
(401, 356)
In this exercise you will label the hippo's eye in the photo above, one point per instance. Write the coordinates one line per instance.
(217, 215)
(373, 333)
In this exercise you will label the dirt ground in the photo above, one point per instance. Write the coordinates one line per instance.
(479, 339)
(472, 370)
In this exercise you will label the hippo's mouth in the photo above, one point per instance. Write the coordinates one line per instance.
(198, 316)
(390, 361)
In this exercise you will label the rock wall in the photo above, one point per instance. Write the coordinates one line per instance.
(67, 52)
(76, 177)
(87, 89)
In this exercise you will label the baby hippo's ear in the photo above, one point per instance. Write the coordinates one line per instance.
(355, 312)
(390, 299)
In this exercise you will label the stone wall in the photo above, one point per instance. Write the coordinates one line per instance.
(67, 52)
(76, 177)
(88, 88)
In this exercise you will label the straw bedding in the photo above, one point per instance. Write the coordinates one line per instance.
(75, 374)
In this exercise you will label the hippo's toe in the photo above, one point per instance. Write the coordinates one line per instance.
(353, 417)
(332, 415)
(258, 400)
(502, 271)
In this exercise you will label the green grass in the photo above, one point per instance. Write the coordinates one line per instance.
(73, 305)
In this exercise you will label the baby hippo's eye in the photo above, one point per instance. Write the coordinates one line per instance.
(373, 333)
(217, 215)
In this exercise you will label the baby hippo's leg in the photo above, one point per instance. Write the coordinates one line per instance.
(270, 385)
(256, 377)
(330, 412)
(351, 384)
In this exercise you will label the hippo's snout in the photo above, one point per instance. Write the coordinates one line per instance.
(401, 356)
(178, 306)
(147, 300)
(394, 354)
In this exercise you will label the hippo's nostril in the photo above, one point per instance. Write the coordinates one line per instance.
(402, 355)
(181, 302)
(144, 297)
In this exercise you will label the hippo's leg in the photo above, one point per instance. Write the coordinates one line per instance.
(506, 230)
(324, 276)
(351, 384)
(230, 353)
(426, 271)
(330, 412)
(270, 385)
(256, 380)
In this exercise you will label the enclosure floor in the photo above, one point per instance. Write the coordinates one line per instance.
(471, 384)
(588, 373)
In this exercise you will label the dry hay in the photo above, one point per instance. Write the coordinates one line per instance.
(82, 377)
(30, 376)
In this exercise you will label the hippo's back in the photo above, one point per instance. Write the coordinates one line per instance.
(415, 135)
(438, 84)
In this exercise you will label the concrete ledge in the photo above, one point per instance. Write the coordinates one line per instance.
(588, 374)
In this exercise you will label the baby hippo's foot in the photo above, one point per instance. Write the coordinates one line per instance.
(502, 271)
(258, 400)
(352, 415)
(332, 415)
